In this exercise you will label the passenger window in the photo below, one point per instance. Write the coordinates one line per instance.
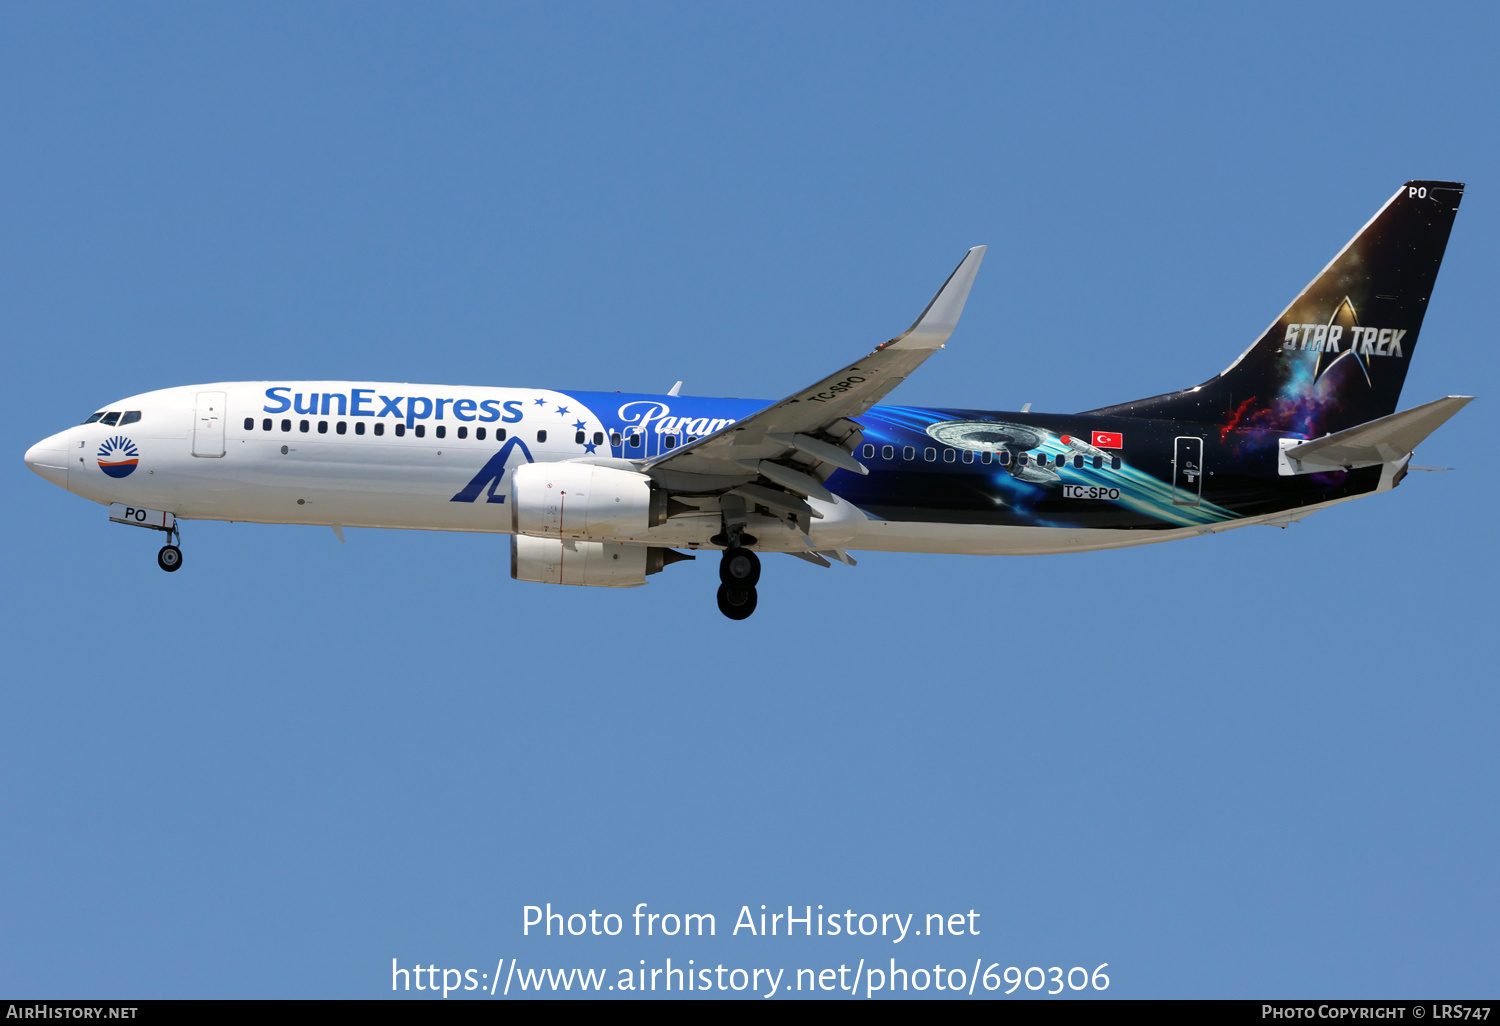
(249, 423)
(400, 430)
(265, 425)
(303, 427)
(463, 432)
(887, 452)
(598, 437)
(691, 439)
(442, 431)
(421, 430)
(131, 416)
(868, 452)
(479, 434)
(342, 428)
(614, 438)
(94, 417)
(670, 441)
(635, 441)
(1022, 459)
(1114, 462)
(379, 428)
(1098, 462)
(499, 434)
(541, 436)
(1077, 462)
(359, 427)
(908, 453)
(286, 425)
(949, 455)
(985, 457)
(930, 455)
(111, 418)
(322, 427)
(1004, 455)
(968, 455)
(578, 437)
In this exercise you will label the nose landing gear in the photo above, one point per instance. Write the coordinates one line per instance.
(169, 558)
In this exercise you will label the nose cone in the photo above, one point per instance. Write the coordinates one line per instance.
(49, 458)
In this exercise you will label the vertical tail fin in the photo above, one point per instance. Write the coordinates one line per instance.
(1337, 356)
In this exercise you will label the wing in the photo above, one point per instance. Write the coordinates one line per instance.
(797, 443)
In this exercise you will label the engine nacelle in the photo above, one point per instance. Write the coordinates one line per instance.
(589, 563)
(578, 500)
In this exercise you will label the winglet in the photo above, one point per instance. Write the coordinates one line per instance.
(937, 322)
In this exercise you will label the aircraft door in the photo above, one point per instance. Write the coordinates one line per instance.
(1187, 471)
(208, 425)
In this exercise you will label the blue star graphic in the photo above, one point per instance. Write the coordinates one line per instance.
(562, 411)
(541, 402)
(580, 425)
(589, 447)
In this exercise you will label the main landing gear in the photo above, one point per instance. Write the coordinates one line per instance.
(739, 571)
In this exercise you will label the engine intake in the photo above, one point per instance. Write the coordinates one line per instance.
(582, 501)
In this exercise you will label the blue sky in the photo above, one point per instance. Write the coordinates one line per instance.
(1256, 764)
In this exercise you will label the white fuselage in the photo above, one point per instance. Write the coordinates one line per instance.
(302, 470)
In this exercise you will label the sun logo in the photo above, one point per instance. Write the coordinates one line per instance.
(118, 456)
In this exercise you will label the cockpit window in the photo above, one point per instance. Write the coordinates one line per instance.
(94, 417)
(131, 416)
(111, 418)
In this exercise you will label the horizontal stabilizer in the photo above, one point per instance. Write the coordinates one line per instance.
(1378, 441)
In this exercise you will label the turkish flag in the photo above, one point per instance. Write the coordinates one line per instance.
(1108, 440)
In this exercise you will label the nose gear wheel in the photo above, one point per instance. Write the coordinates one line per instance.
(169, 558)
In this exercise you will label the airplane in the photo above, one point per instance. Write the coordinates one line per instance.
(604, 489)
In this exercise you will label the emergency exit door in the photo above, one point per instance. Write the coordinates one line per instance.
(1187, 471)
(208, 425)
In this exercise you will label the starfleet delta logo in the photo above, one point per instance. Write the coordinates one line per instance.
(118, 456)
(1344, 338)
